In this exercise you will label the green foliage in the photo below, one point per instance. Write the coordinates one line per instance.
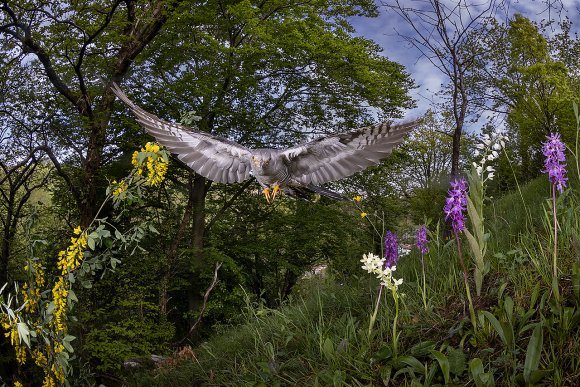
(112, 344)
(321, 336)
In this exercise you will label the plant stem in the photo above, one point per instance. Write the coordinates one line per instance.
(374, 316)
(467, 290)
(555, 267)
(424, 290)
(395, 320)
(555, 281)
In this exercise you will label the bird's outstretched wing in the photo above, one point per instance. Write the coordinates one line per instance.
(216, 158)
(341, 155)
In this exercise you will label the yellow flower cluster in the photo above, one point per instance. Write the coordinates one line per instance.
(155, 164)
(74, 254)
(39, 358)
(39, 275)
(52, 375)
(48, 381)
(18, 384)
(11, 328)
(58, 373)
(59, 295)
(32, 295)
(121, 187)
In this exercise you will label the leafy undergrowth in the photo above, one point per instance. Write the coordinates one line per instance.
(525, 334)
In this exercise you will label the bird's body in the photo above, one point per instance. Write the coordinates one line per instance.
(297, 171)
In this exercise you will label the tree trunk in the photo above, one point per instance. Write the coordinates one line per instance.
(198, 193)
(172, 251)
(7, 239)
(456, 150)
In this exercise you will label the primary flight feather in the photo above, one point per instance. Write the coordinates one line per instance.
(298, 171)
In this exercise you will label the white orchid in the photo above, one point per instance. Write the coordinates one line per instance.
(375, 265)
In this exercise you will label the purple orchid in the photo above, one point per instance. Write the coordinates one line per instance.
(554, 164)
(456, 204)
(391, 249)
(422, 240)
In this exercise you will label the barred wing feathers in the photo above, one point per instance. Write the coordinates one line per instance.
(341, 155)
(215, 158)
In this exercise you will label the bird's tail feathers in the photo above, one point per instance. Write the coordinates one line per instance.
(326, 192)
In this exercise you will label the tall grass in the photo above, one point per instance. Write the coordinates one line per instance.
(320, 337)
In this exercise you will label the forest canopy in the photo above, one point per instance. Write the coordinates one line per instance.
(164, 257)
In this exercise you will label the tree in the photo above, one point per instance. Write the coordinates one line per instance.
(76, 49)
(442, 34)
(523, 78)
(262, 74)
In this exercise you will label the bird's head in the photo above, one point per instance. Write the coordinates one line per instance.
(261, 164)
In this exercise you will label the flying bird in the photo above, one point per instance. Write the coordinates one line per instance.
(298, 171)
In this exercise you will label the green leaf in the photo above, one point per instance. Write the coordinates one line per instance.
(91, 243)
(504, 331)
(457, 361)
(385, 353)
(475, 219)
(153, 229)
(480, 377)
(534, 297)
(508, 306)
(23, 333)
(114, 262)
(443, 363)
(415, 364)
(50, 308)
(72, 296)
(328, 349)
(422, 349)
(68, 347)
(533, 352)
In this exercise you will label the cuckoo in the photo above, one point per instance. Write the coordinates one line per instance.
(298, 171)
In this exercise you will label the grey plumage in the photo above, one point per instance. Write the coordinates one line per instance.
(298, 170)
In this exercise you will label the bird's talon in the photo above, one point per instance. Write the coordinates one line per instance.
(275, 191)
(266, 192)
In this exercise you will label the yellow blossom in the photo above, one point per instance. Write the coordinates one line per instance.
(120, 187)
(363, 215)
(60, 294)
(155, 164)
(39, 275)
(58, 347)
(18, 384)
(58, 373)
(20, 354)
(39, 358)
(357, 198)
(136, 164)
(74, 254)
(48, 381)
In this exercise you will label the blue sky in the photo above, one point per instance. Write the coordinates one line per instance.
(429, 79)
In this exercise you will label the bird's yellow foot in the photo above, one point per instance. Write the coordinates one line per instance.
(266, 192)
(275, 190)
